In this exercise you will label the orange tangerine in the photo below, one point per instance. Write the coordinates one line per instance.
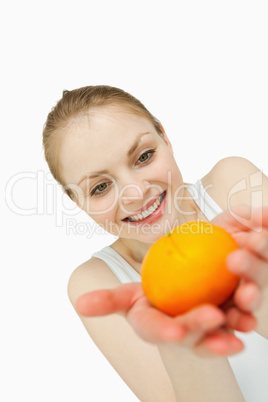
(187, 267)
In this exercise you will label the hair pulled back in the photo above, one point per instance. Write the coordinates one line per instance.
(77, 103)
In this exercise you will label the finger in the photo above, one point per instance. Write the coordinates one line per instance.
(247, 296)
(219, 343)
(154, 326)
(200, 320)
(109, 301)
(237, 318)
(242, 218)
(239, 321)
(257, 242)
(243, 263)
(206, 317)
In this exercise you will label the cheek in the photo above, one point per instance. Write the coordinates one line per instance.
(166, 170)
(107, 221)
(102, 209)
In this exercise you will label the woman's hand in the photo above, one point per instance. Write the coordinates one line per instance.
(202, 329)
(250, 229)
(207, 329)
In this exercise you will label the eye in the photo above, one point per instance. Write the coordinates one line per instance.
(143, 159)
(146, 156)
(99, 189)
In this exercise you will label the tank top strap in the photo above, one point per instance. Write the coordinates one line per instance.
(207, 205)
(118, 265)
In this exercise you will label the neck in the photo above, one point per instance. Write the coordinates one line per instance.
(134, 249)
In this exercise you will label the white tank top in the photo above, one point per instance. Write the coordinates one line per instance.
(251, 366)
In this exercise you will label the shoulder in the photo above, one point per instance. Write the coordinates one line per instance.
(91, 275)
(233, 164)
(232, 180)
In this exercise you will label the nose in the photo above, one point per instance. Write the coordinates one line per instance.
(133, 192)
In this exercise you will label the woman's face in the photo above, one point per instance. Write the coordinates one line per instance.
(123, 172)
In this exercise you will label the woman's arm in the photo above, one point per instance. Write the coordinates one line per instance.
(136, 361)
(134, 339)
(196, 379)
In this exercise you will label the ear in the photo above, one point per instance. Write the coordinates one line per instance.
(165, 138)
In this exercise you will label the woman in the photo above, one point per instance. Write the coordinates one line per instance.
(114, 159)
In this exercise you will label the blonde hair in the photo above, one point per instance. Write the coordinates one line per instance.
(77, 102)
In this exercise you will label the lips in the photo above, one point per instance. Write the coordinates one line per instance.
(145, 207)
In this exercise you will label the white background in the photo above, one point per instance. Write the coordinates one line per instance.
(199, 66)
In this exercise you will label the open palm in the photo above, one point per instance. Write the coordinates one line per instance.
(206, 329)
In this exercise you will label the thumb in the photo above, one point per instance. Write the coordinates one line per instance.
(109, 301)
(235, 219)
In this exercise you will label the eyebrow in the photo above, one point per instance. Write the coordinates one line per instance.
(133, 147)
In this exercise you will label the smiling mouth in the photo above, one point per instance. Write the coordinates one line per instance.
(147, 212)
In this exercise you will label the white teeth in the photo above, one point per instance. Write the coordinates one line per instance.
(147, 212)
